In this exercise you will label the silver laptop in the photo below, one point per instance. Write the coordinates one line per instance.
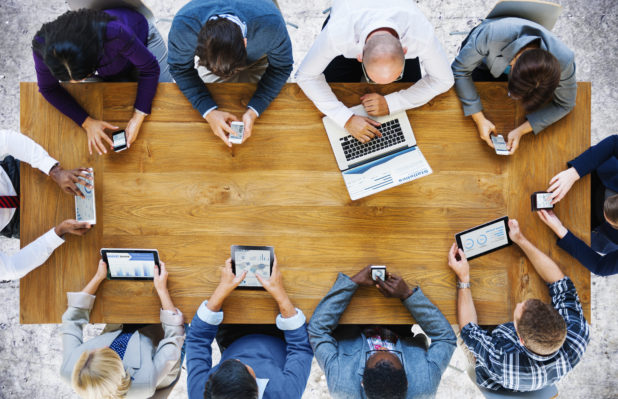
(382, 163)
(396, 135)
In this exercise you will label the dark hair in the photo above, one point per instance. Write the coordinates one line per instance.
(610, 208)
(534, 77)
(384, 381)
(221, 48)
(541, 327)
(232, 380)
(72, 45)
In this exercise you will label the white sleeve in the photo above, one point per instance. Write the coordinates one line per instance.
(310, 78)
(13, 267)
(26, 150)
(438, 79)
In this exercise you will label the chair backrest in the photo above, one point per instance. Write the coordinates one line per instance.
(548, 392)
(136, 5)
(542, 12)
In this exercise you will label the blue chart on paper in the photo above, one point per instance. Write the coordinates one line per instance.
(131, 264)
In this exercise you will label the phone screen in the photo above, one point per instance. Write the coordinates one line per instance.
(239, 129)
(543, 201)
(499, 144)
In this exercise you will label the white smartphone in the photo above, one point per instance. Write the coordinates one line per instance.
(499, 145)
(85, 208)
(239, 130)
(378, 272)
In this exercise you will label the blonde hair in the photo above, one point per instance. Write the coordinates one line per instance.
(99, 374)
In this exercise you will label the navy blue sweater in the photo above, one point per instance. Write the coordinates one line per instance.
(266, 35)
(603, 158)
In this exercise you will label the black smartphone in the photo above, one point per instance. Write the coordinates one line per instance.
(120, 140)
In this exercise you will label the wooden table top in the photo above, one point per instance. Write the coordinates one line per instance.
(179, 189)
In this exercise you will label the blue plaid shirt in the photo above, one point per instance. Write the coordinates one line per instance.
(502, 362)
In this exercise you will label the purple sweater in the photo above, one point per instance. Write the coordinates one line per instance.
(124, 46)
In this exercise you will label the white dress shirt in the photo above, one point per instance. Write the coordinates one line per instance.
(37, 252)
(350, 23)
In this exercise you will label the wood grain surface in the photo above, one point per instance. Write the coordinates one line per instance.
(179, 189)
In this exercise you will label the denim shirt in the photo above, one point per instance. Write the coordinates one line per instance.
(341, 353)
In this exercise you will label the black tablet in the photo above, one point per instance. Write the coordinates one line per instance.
(485, 238)
(541, 200)
(255, 260)
(130, 264)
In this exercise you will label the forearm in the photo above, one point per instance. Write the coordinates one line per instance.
(92, 287)
(286, 307)
(544, 266)
(166, 300)
(524, 128)
(215, 302)
(466, 312)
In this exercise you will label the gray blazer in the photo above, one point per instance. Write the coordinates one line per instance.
(495, 42)
(150, 367)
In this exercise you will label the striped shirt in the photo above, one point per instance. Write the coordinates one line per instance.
(503, 363)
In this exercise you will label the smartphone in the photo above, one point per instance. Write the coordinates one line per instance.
(378, 272)
(499, 145)
(120, 140)
(239, 130)
(541, 200)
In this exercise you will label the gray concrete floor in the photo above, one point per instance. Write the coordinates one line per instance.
(30, 355)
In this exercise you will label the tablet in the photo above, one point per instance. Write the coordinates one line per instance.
(485, 238)
(130, 264)
(85, 208)
(255, 260)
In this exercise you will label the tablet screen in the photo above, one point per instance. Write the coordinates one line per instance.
(254, 261)
(484, 238)
(134, 265)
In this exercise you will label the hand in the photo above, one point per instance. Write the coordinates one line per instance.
(72, 226)
(274, 284)
(219, 122)
(101, 273)
(95, 129)
(133, 126)
(458, 262)
(512, 142)
(248, 119)
(394, 287)
(560, 184)
(229, 281)
(66, 179)
(549, 218)
(515, 233)
(375, 104)
(363, 129)
(363, 277)
(160, 278)
(484, 127)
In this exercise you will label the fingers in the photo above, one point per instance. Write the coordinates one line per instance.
(108, 139)
(221, 133)
(99, 146)
(553, 186)
(90, 147)
(240, 278)
(163, 269)
(107, 125)
(228, 263)
(554, 179)
(157, 272)
(372, 122)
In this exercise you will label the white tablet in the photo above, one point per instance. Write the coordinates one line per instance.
(485, 238)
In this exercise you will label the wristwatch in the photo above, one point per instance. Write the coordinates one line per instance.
(463, 285)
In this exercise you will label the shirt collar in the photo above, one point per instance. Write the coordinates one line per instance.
(510, 51)
(234, 19)
(261, 383)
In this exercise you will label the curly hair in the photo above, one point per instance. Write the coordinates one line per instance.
(232, 380)
(384, 381)
(541, 327)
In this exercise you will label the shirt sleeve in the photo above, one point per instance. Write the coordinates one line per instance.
(291, 323)
(484, 349)
(601, 265)
(298, 359)
(565, 300)
(280, 63)
(470, 56)
(55, 94)
(595, 156)
(144, 61)
(182, 43)
(26, 150)
(199, 340)
(74, 319)
(33, 255)
(438, 79)
(168, 351)
(562, 103)
(310, 78)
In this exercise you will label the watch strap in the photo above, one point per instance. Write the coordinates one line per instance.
(463, 285)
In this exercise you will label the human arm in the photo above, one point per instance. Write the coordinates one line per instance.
(543, 264)
(33, 255)
(324, 322)
(76, 316)
(601, 265)
(466, 312)
(25, 149)
(515, 135)
(562, 102)
(470, 56)
(66, 179)
(437, 80)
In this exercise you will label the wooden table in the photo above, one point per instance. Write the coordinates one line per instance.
(179, 189)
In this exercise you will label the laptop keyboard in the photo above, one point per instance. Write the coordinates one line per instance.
(392, 135)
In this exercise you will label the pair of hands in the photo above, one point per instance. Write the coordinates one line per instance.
(67, 179)
(393, 287)
(219, 122)
(97, 137)
(486, 128)
(457, 258)
(362, 128)
(274, 285)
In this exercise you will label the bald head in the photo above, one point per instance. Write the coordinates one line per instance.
(383, 57)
